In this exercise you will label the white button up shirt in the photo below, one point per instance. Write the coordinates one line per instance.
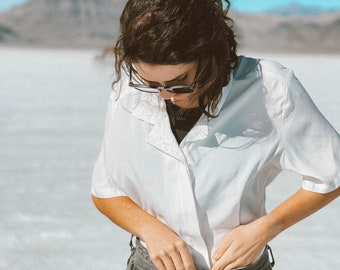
(216, 178)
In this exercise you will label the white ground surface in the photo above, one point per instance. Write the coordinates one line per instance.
(52, 110)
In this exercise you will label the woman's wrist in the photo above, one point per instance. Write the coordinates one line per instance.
(272, 226)
(148, 229)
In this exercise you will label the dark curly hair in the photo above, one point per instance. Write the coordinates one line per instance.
(168, 32)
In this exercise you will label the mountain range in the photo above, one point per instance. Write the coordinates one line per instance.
(95, 24)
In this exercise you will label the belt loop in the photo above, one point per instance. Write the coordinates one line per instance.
(272, 263)
(131, 243)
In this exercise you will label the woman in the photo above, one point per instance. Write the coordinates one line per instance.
(194, 134)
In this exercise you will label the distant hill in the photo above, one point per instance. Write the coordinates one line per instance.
(300, 34)
(61, 23)
(94, 24)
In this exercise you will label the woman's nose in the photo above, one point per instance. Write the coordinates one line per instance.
(166, 95)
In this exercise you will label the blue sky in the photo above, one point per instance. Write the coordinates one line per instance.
(6, 4)
(240, 5)
(263, 5)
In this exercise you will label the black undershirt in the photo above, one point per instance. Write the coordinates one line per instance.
(182, 120)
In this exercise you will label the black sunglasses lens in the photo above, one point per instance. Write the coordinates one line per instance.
(182, 90)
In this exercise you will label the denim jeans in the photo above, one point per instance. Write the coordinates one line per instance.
(140, 259)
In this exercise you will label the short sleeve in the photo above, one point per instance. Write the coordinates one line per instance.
(311, 144)
(103, 184)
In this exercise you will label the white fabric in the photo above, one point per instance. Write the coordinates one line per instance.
(216, 178)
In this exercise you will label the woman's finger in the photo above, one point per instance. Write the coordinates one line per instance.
(177, 260)
(222, 248)
(167, 260)
(158, 263)
(187, 261)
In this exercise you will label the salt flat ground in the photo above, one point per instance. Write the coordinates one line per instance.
(52, 110)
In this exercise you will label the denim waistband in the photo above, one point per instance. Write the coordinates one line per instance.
(140, 259)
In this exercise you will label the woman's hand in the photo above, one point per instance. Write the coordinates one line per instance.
(241, 246)
(167, 251)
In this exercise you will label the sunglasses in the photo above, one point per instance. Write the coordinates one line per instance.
(176, 89)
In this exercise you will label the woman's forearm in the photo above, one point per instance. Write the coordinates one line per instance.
(127, 215)
(299, 206)
(242, 245)
(167, 250)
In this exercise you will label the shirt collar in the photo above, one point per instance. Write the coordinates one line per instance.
(152, 109)
(225, 93)
(144, 106)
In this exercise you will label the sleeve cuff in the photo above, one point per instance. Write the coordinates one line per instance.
(319, 187)
(105, 193)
